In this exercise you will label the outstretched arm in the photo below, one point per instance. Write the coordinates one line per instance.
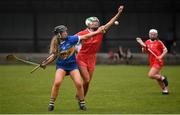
(89, 35)
(111, 22)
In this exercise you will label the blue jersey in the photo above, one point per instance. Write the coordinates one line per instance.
(66, 56)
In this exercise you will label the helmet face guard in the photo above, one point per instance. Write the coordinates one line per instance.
(59, 29)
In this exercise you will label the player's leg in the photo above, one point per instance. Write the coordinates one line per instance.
(91, 71)
(163, 85)
(154, 73)
(86, 67)
(91, 62)
(75, 75)
(60, 73)
(86, 76)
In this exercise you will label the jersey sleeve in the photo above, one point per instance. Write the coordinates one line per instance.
(74, 40)
(162, 46)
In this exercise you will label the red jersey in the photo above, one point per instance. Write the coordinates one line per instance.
(157, 47)
(90, 46)
(86, 57)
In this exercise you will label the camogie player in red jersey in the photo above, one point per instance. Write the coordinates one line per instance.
(86, 57)
(156, 50)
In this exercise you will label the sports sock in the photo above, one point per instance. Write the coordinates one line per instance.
(81, 102)
(52, 100)
(161, 78)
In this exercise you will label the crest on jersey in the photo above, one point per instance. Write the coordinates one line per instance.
(66, 53)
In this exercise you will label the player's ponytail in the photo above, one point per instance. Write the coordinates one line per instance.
(54, 45)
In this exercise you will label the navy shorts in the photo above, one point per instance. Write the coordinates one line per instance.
(68, 67)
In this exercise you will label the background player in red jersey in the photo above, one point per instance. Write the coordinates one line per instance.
(157, 51)
(86, 58)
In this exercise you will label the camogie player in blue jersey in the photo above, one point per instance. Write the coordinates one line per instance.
(62, 47)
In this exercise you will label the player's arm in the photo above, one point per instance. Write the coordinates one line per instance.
(89, 35)
(53, 52)
(144, 49)
(144, 46)
(111, 22)
(164, 52)
(48, 60)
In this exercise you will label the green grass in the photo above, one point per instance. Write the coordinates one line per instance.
(114, 89)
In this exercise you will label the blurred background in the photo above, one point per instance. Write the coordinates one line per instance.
(26, 25)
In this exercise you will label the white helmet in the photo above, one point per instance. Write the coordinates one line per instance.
(153, 31)
(90, 20)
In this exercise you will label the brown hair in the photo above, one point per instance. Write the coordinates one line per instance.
(54, 45)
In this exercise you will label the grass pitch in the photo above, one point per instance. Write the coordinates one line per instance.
(113, 90)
